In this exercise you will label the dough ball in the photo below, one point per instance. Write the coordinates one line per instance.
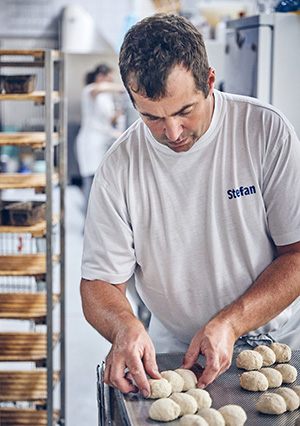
(271, 403)
(202, 398)
(160, 388)
(268, 355)
(193, 420)
(164, 410)
(212, 416)
(254, 381)
(249, 360)
(187, 403)
(283, 352)
(234, 415)
(288, 372)
(297, 390)
(190, 379)
(273, 376)
(174, 378)
(291, 398)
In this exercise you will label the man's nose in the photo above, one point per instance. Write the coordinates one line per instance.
(173, 128)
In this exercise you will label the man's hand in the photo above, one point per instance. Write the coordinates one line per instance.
(108, 310)
(132, 349)
(215, 341)
(277, 287)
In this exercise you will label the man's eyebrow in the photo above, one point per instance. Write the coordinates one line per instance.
(172, 115)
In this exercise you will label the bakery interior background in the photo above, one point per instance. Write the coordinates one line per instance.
(90, 32)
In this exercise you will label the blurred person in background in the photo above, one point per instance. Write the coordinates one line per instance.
(101, 123)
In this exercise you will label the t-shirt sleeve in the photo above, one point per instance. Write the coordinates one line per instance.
(108, 249)
(282, 189)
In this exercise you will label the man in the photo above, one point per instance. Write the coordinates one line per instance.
(200, 200)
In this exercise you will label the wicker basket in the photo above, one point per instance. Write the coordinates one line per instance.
(19, 83)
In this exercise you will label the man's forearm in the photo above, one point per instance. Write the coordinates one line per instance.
(106, 307)
(108, 310)
(275, 289)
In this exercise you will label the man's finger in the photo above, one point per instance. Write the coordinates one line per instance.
(197, 369)
(138, 374)
(150, 365)
(208, 376)
(115, 377)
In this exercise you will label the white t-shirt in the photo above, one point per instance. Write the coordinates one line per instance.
(198, 227)
(96, 132)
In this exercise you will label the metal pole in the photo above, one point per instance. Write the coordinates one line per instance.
(63, 182)
(49, 125)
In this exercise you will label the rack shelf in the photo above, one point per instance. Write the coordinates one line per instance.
(38, 54)
(28, 386)
(25, 306)
(35, 140)
(24, 347)
(37, 57)
(37, 231)
(25, 265)
(25, 417)
(36, 181)
(37, 96)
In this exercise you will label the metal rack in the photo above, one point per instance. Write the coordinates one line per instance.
(36, 408)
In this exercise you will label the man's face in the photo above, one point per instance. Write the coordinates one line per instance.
(180, 118)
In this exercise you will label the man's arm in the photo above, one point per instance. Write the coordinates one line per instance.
(108, 310)
(274, 290)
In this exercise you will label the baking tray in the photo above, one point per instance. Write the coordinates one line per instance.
(226, 389)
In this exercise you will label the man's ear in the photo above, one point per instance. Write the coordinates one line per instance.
(211, 79)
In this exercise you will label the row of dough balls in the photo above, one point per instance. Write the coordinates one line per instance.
(172, 381)
(177, 396)
(279, 401)
(180, 405)
(228, 415)
(263, 356)
(268, 377)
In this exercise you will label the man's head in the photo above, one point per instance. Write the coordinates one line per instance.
(154, 47)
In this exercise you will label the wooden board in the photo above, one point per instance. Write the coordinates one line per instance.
(37, 53)
(25, 417)
(37, 231)
(36, 181)
(36, 140)
(25, 306)
(24, 265)
(36, 96)
(24, 347)
(25, 385)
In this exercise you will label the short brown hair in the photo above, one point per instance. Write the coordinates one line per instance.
(154, 46)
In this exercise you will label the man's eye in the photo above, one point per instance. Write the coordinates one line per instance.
(186, 112)
(153, 118)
